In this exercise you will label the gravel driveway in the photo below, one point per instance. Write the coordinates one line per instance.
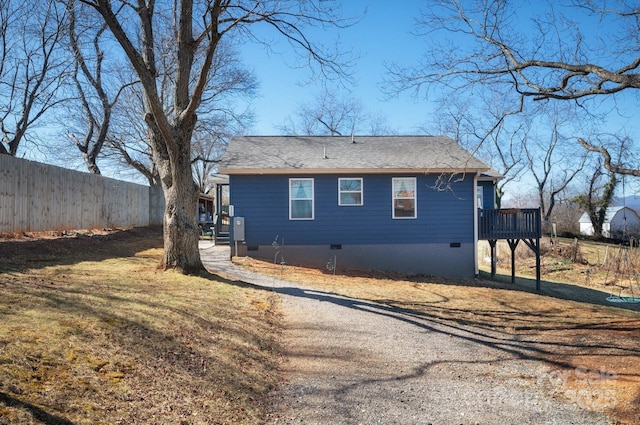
(355, 362)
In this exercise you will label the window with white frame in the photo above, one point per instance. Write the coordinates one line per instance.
(301, 199)
(404, 197)
(349, 191)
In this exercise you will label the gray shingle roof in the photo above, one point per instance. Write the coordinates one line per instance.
(327, 154)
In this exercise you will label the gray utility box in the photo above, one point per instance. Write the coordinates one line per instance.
(238, 228)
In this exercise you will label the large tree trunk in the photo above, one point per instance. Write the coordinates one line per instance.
(597, 214)
(172, 126)
(181, 233)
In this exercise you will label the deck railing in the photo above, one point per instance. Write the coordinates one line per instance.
(514, 223)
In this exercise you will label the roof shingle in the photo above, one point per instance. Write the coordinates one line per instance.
(327, 154)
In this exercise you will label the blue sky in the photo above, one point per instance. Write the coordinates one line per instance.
(382, 36)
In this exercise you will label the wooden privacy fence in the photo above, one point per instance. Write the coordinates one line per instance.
(40, 197)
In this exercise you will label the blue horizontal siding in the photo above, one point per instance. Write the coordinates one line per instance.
(443, 216)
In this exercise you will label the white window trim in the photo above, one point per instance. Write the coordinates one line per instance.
(415, 198)
(479, 196)
(361, 192)
(313, 195)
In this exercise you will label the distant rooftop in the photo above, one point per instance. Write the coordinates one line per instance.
(610, 213)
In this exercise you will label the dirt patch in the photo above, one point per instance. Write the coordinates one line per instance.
(609, 268)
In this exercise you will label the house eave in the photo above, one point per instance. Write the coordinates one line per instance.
(325, 171)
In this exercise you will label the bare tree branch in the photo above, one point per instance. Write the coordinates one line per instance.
(608, 164)
(30, 67)
(139, 29)
(575, 52)
(551, 179)
(331, 115)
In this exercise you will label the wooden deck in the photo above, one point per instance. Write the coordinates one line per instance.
(513, 225)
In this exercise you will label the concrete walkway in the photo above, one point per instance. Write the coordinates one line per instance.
(356, 362)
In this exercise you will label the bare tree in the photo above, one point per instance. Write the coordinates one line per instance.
(602, 184)
(210, 141)
(220, 116)
(566, 213)
(560, 59)
(128, 143)
(331, 115)
(197, 28)
(92, 88)
(506, 150)
(31, 67)
(609, 164)
(500, 145)
(598, 198)
(552, 169)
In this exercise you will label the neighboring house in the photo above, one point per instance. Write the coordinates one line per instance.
(397, 203)
(619, 222)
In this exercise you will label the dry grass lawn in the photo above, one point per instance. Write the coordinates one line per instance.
(592, 349)
(93, 333)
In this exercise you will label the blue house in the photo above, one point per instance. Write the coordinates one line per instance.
(396, 203)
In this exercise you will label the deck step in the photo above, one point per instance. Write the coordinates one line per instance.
(222, 240)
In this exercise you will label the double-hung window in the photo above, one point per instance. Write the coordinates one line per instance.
(301, 199)
(349, 191)
(404, 197)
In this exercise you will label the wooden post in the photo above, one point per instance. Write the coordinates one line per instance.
(534, 244)
(538, 266)
(513, 244)
(494, 260)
